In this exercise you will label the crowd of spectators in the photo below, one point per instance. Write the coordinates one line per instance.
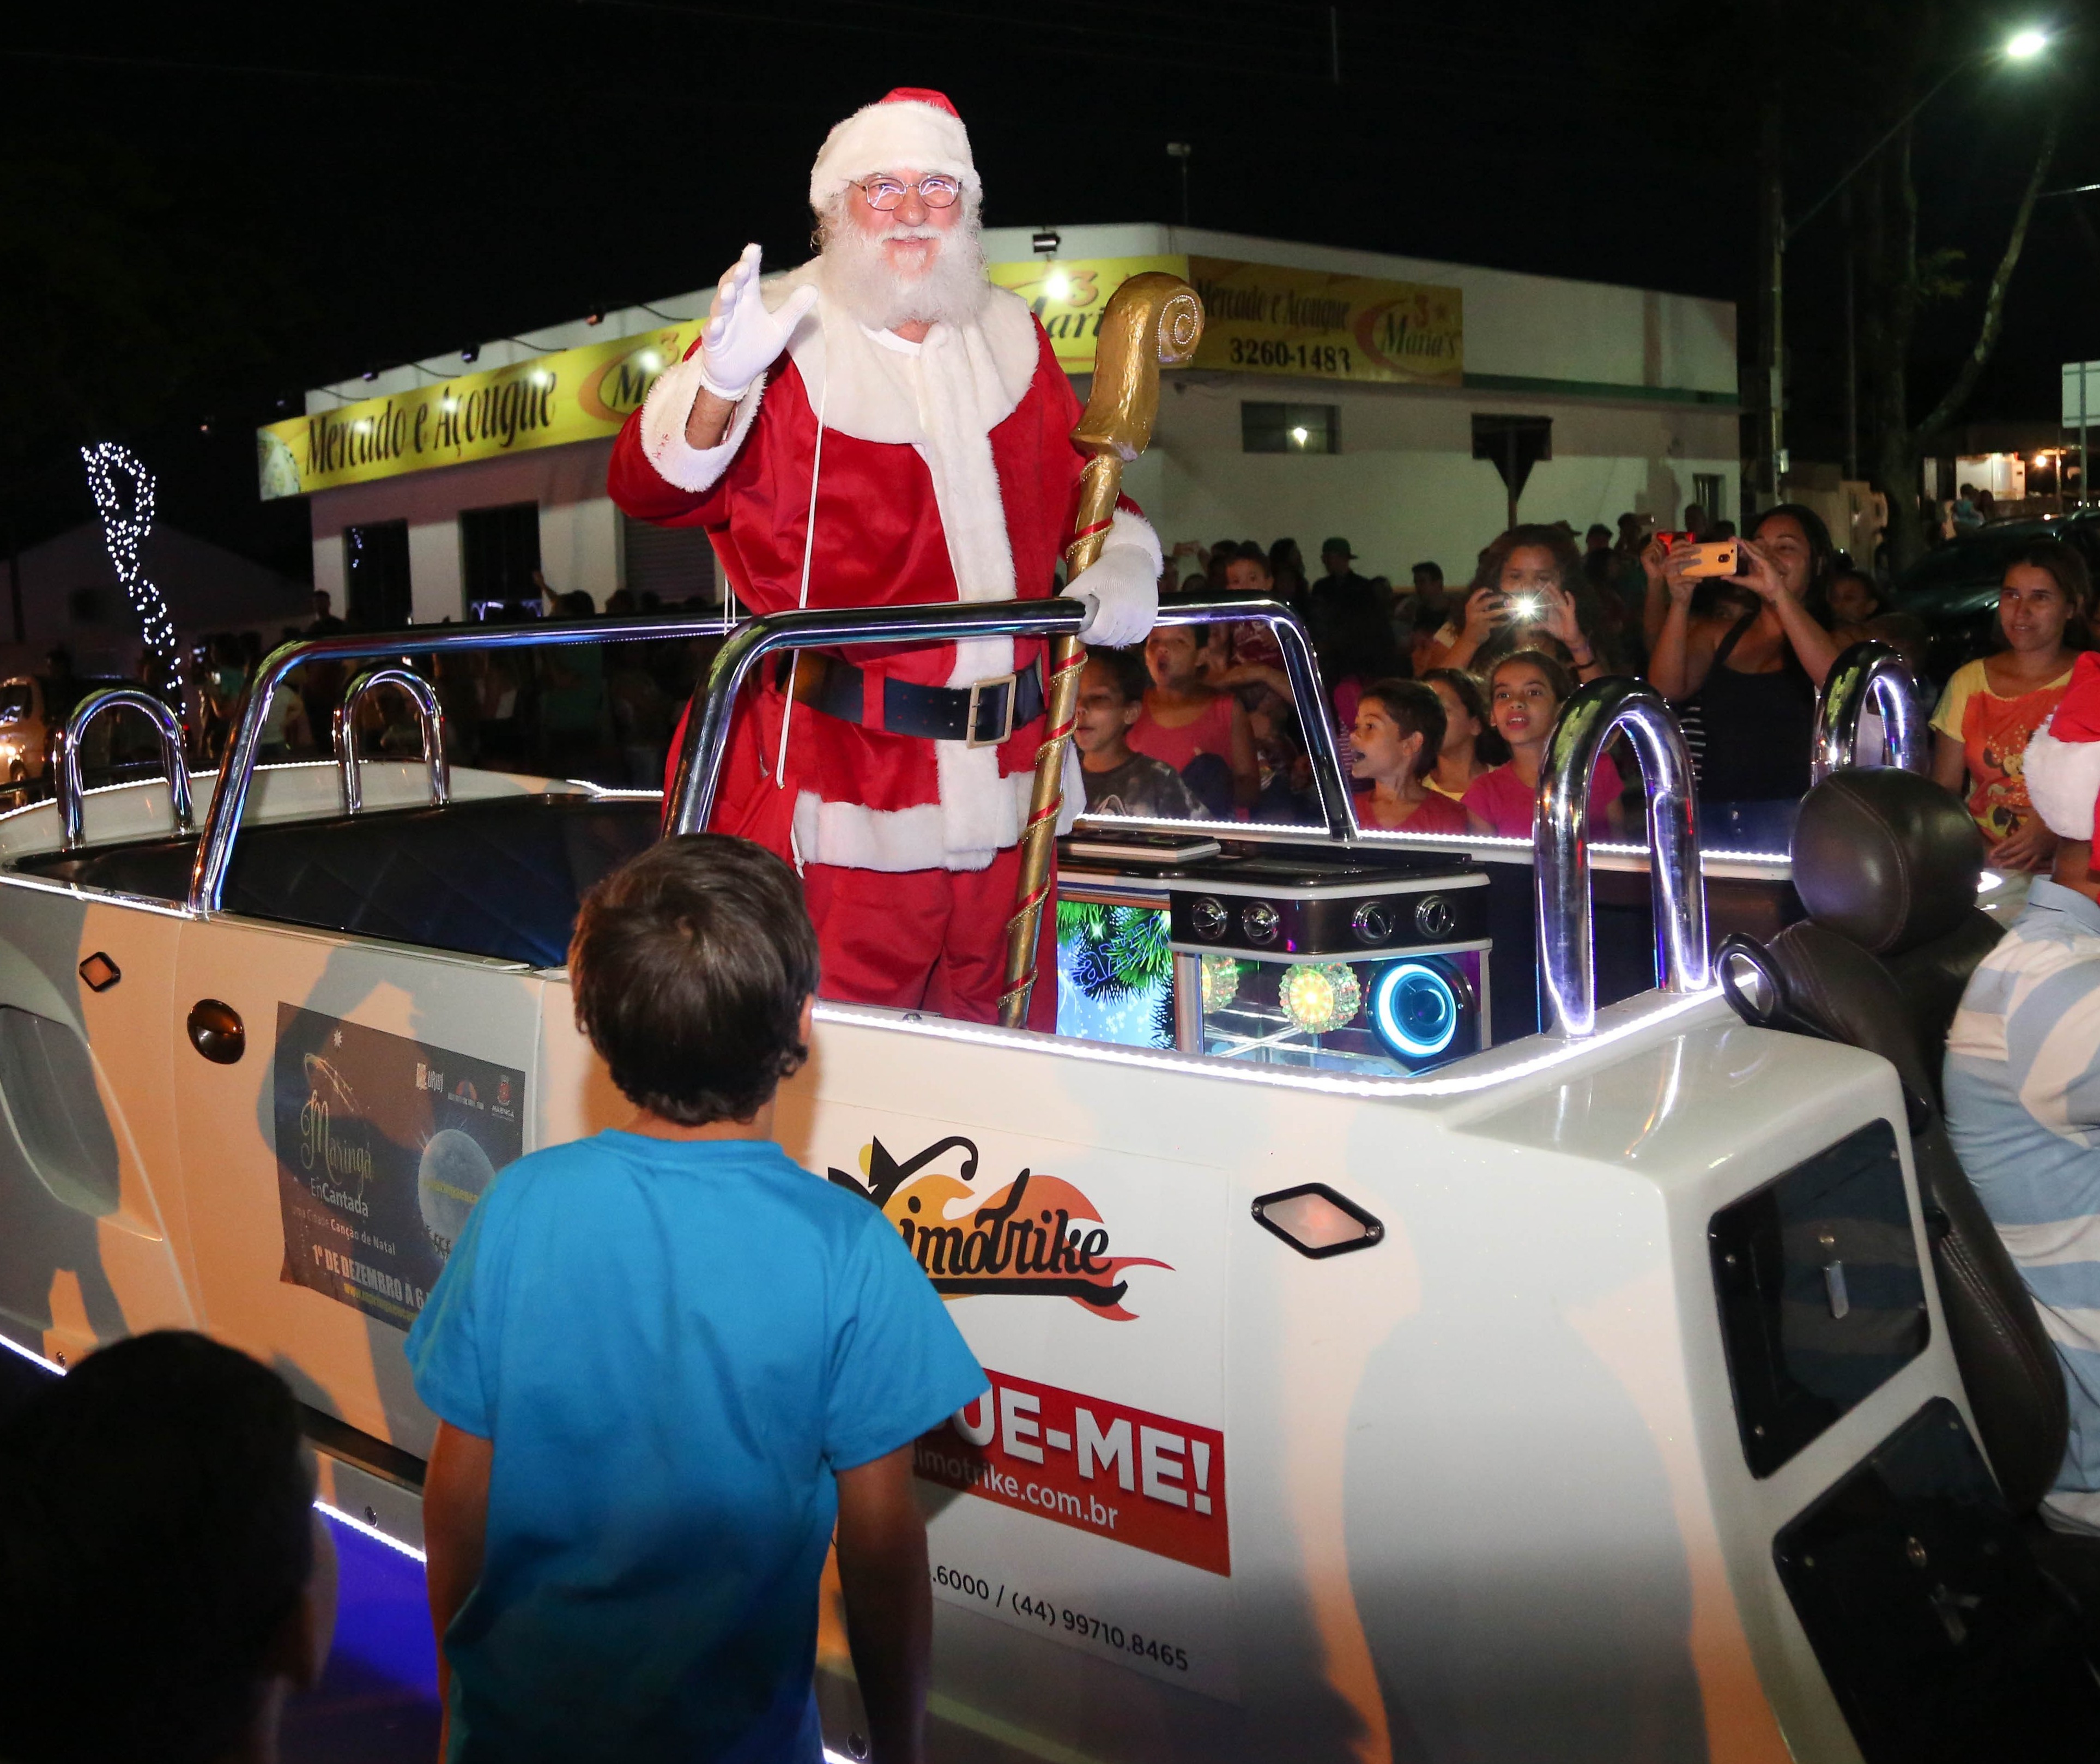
(1740, 656)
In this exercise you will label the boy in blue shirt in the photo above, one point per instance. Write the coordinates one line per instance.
(665, 1360)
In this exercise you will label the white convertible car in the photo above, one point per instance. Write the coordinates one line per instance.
(1376, 1373)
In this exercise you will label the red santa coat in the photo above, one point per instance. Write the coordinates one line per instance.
(911, 506)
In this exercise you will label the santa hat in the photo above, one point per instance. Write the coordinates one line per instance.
(2062, 761)
(910, 129)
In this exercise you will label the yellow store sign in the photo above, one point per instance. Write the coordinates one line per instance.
(570, 395)
(1263, 318)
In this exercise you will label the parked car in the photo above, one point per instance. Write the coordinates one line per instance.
(1954, 591)
(32, 705)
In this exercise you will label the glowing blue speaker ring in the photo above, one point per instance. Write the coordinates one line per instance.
(1416, 1010)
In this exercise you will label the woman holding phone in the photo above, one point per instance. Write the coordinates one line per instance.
(1753, 681)
(1529, 587)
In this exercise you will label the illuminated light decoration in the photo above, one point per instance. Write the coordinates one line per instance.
(370, 1530)
(1416, 1010)
(126, 509)
(1319, 996)
(1221, 980)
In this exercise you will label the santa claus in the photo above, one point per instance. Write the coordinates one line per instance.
(883, 427)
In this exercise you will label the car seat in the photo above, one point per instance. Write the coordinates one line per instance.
(1887, 862)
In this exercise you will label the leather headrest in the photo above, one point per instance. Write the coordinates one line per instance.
(1886, 859)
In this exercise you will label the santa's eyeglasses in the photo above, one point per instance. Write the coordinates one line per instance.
(884, 194)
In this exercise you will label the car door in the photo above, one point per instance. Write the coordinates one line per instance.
(342, 1101)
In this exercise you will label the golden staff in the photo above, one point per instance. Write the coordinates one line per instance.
(1152, 321)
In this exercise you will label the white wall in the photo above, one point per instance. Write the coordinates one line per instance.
(1405, 487)
(579, 526)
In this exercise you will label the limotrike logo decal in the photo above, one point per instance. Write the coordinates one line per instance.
(1037, 1236)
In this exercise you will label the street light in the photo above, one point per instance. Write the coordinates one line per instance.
(1779, 233)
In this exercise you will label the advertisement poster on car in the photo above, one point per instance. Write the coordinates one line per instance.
(384, 1145)
(1086, 1498)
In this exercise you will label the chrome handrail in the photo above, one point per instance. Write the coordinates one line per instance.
(692, 797)
(236, 770)
(73, 808)
(1865, 671)
(1560, 847)
(429, 716)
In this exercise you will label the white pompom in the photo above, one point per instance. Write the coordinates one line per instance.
(2062, 780)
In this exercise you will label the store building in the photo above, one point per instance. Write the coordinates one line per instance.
(1409, 406)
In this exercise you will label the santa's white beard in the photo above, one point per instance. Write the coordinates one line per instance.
(949, 289)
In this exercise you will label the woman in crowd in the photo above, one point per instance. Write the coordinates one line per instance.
(1752, 683)
(1525, 693)
(1471, 746)
(1199, 731)
(1992, 706)
(1529, 593)
(1397, 736)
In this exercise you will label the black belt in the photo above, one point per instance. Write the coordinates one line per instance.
(982, 716)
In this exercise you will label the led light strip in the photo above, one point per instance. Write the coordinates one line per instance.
(1154, 1059)
(372, 1532)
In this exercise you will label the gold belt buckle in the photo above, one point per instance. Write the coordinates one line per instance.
(1011, 683)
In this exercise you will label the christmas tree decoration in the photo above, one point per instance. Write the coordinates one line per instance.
(1320, 996)
(1221, 981)
(123, 490)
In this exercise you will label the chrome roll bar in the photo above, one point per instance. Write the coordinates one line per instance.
(236, 770)
(429, 716)
(1868, 671)
(174, 759)
(1560, 846)
(692, 798)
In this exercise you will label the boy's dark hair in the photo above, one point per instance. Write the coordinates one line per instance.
(690, 965)
(155, 1537)
(1415, 710)
(1126, 668)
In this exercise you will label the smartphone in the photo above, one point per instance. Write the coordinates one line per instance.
(1525, 609)
(1717, 558)
(1669, 539)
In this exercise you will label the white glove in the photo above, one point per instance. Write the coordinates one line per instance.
(743, 339)
(1122, 593)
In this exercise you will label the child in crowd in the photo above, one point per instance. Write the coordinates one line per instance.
(165, 1581)
(665, 1359)
(1471, 746)
(1185, 721)
(1398, 733)
(1119, 780)
(1525, 693)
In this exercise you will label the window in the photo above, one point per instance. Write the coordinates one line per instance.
(499, 554)
(375, 570)
(674, 563)
(85, 606)
(1291, 428)
(1708, 487)
(1513, 445)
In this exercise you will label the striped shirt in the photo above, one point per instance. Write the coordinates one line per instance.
(2022, 1084)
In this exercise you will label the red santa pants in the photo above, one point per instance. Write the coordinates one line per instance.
(926, 939)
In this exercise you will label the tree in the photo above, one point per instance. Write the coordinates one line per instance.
(1899, 283)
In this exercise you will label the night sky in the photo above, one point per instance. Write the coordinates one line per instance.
(205, 211)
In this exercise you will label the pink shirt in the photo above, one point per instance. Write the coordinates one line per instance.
(1211, 732)
(1509, 805)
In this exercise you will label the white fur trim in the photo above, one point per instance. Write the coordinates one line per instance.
(664, 416)
(899, 135)
(854, 836)
(2062, 780)
(1127, 528)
